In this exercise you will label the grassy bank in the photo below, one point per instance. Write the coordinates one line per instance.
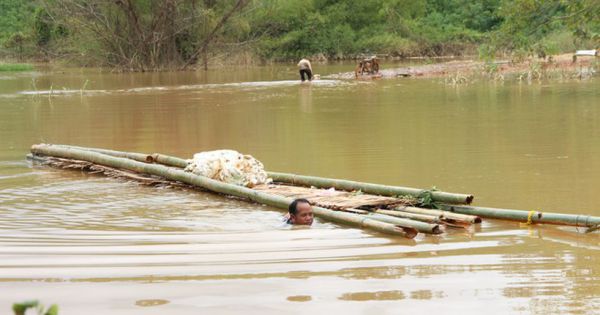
(558, 68)
(14, 67)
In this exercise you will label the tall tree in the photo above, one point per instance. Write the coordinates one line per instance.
(144, 34)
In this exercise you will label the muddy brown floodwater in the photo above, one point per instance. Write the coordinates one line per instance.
(96, 245)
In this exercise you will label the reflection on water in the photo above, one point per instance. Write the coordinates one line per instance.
(97, 245)
(299, 298)
(367, 296)
(238, 86)
(146, 303)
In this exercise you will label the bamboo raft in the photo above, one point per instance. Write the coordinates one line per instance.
(380, 208)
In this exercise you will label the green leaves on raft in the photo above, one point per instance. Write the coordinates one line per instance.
(426, 199)
(21, 308)
(53, 310)
(357, 193)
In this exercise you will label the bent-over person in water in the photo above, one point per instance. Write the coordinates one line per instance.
(305, 68)
(300, 212)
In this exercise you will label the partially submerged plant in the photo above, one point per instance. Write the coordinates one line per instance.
(456, 79)
(83, 87)
(491, 70)
(584, 73)
(533, 72)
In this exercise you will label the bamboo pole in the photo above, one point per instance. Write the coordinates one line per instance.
(216, 186)
(169, 160)
(413, 216)
(531, 217)
(420, 226)
(352, 210)
(141, 157)
(446, 215)
(368, 188)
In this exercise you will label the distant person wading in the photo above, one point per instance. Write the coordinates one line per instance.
(305, 68)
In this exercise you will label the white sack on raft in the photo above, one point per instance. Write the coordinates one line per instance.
(229, 166)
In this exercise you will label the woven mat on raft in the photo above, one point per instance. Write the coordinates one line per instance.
(329, 198)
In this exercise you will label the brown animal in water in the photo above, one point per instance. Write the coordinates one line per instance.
(369, 65)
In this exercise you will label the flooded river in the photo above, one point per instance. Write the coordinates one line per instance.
(95, 245)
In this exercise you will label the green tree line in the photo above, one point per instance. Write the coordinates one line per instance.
(146, 35)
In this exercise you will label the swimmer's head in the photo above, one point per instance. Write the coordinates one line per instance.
(301, 212)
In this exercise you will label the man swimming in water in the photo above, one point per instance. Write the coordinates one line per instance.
(300, 212)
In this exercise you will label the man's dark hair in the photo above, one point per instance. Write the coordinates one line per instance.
(293, 208)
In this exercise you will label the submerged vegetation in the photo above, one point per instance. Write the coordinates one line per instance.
(142, 35)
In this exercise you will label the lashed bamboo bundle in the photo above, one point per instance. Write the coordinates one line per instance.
(451, 211)
(420, 226)
(216, 186)
(424, 226)
(445, 215)
(413, 216)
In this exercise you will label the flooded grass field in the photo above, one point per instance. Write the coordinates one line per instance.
(96, 245)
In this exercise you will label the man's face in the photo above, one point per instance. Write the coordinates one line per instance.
(304, 214)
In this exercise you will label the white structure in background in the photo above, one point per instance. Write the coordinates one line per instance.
(585, 53)
(592, 52)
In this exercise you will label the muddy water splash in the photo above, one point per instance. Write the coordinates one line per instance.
(96, 245)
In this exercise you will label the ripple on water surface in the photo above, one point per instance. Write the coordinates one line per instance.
(216, 87)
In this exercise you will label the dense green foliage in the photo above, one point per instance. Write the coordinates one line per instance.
(547, 27)
(146, 34)
(338, 28)
(395, 27)
(14, 17)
